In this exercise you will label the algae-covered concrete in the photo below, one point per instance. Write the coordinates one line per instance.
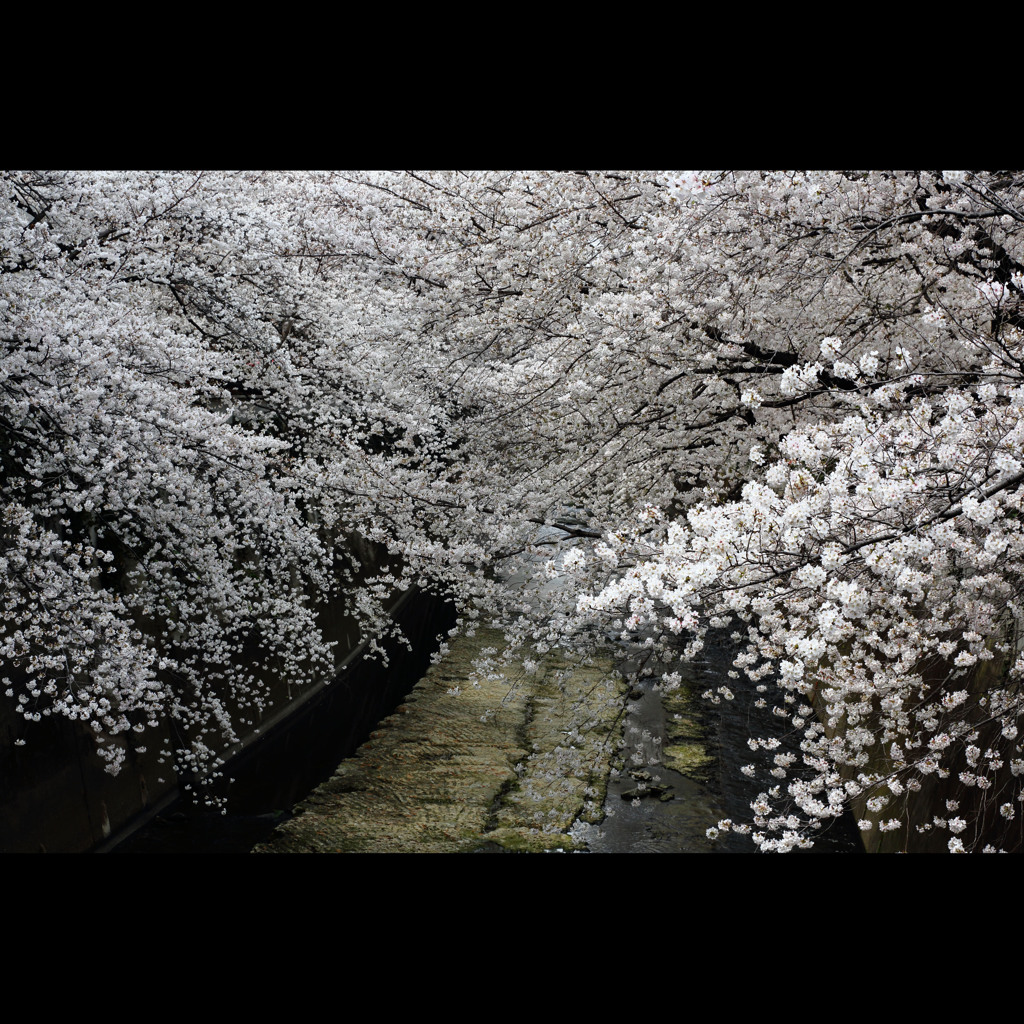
(685, 746)
(519, 761)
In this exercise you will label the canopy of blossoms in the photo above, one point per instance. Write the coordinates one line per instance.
(787, 405)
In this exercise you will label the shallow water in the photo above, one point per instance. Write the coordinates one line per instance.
(679, 825)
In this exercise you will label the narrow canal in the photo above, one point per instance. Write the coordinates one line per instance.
(569, 757)
(574, 756)
(482, 756)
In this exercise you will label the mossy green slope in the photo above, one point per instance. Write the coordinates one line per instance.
(512, 762)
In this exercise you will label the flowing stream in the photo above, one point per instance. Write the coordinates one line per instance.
(677, 775)
(675, 820)
(650, 806)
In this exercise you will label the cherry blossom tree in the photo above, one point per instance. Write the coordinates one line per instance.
(868, 328)
(195, 419)
(782, 405)
(790, 403)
